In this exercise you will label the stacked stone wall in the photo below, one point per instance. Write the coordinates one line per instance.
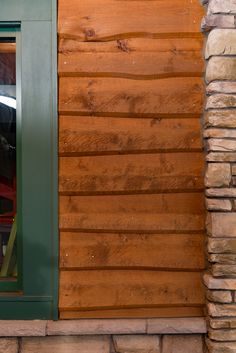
(220, 178)
(181, 335)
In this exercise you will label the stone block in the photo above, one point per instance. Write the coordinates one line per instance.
(219, 6)
(221, 157)
(96, 327)
(224, 118)
(219, 133)
(218, 310)
(218, 205)
(217, 21)
(191, 325)
(219, 296)
(221, 42)
(221, 87)
(222, 335)
(222, 224)
(75, 344)
(20, 328)
(222, 323)
(223, 270)
(182, 344)
(8, 345)
(222, 246)
(224, 145)
(223, 192)
(221, 100)
(218, 174)
(137, 343)
(222, 258)
(221, 68)
(221, 347)
(234, 169)
(219, 283)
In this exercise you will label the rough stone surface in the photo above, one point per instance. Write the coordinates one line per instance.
(221, 100)
(11, 328)
(222, 258)
(81, 344)
(221, 87)
(221, 157)
(98, 327)
(221, 68)
(224, 192)
(176, 326)
(182, 344)
(224, 118)
(222, 224)
(221, 41)
(219, 296)
(218, 310)
(218, 205)
(222, 335)
(223, 145)
(137, 344)
(217, 21)
(218, 174)
(234, 169)
(222, 6)
(220, 133)
(223, 270)
(221, 347)
(219, 283)
(219, 246)
(222, 323)
(8, 345)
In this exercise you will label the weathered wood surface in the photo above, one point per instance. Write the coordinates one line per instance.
(134, 58)
(106, 250)
(129, 288)
(131, 173)
(131, 169)
(106, 19)
(135, 213)
(119, 96)
(101, 135)
(176, 311)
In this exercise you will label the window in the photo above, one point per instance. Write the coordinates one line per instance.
(28, 242)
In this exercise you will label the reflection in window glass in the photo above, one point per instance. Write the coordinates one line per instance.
(8, 267)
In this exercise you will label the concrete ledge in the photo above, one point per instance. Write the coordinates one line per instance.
(9, 328)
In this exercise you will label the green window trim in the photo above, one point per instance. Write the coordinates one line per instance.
(35, 293)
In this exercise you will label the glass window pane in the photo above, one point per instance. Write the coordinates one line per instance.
(8, 268)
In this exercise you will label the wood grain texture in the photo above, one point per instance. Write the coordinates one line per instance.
(118, 95)
(173, 311)
(134, 58)
(131, 166)
(101, 250)
(128, 288)
(99, 135)
(106, 19)
(134, 213)
(131, 173)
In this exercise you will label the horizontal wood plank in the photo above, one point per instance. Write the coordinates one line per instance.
(94, 135)
(161, 212)
(97, 250)
(118, 95)
(96, 20)
(135, 57)
(109, 289)
(135, 313)
(132, 173)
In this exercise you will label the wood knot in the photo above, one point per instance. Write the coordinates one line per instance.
(123, 45)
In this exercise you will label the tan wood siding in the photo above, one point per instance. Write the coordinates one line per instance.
(131, 160)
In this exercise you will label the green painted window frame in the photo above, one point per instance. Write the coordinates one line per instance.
(35, 293)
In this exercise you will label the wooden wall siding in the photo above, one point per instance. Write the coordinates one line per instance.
(131, 161)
